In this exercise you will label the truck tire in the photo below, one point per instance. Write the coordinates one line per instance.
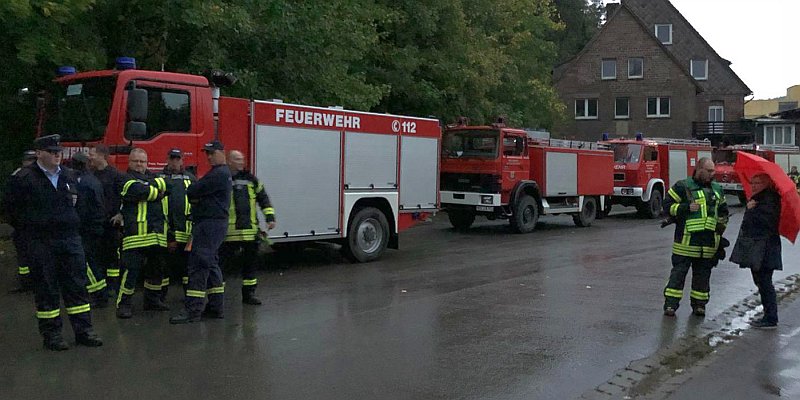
(461, 219)
(653, 208)
(526, 215)
(588, 214)
(367, 235)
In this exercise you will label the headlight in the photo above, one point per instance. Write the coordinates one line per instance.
(486, 199)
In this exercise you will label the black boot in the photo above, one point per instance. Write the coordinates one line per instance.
(55, 343)
(153, 302)
(88, 339)
(124, 307)
(184, 317)
(249, 296)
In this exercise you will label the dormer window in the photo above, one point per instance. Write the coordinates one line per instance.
(699, 69)
(664, 33)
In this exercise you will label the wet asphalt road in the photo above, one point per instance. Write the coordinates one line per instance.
(480, 315)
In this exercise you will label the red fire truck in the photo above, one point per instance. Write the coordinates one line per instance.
(725, 157)
(351, 177)
(645, 169)
(500, 172)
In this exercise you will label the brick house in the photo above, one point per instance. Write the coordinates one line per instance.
(648, 70)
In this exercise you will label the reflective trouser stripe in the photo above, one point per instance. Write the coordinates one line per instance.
(94, 285)
(673, 293)
(165, 282)
(699, 295)
(123, 289)
(23, 270)
(196, 293)
(78, 309)
(185, 280)
(112, 273)
(216, 290)
(250, 282)
(150, 286)
(47, 314)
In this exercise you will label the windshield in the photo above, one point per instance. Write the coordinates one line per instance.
(726, 156)
(78, 111)
(626, 153)
(470, 143)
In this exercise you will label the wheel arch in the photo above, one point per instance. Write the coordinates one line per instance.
(383, 205)
(654, 183)
(530, 188)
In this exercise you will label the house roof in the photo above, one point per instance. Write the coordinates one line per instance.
(561, 68)
(793, 114)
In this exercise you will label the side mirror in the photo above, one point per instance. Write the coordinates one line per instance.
(137, 105)
(136, 130)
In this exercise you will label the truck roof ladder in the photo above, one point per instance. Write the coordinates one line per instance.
(690, 142)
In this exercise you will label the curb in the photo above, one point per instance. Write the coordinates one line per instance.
(643, 378)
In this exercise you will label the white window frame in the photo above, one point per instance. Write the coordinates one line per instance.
(617, 115)
(586, 108)
(783, 129)
(602, 70)
(658, 113)
(691, 70)
(670, 32)
(629, 68)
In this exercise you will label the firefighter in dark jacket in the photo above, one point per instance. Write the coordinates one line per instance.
(210, 198)
(701, 216)
(91, 210)
(109, 248)
(144, 235)
(20, 242)
(43, 200)
(179, 224)
(243, 230)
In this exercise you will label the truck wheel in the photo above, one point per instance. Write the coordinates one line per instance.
(588, 214)
(653, 208)
(367, 235)
(461, 219)
(526, 215)
(742, 198)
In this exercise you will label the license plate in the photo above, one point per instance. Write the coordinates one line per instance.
(484, 208)
(627, 191)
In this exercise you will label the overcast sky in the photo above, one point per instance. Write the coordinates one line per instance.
(757, 36)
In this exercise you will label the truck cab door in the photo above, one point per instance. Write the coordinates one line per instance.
(652, 166)
(514, 160)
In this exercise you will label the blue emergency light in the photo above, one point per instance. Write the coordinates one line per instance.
(66, 70)
(605, 137)
(639, 136)
(124, 63)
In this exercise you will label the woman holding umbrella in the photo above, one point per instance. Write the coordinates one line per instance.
(758, 246)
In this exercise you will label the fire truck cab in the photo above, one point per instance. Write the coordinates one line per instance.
(350, 177)
(645, 168)
(725, 157)
(499, 172)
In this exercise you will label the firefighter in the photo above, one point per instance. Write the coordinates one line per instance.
(112, 180)
(20, 242)
(701, 216)
(795, 176)
(243, 230)
(179, 225)
(210, 198)
(43, 199)
(91, 210)
(144, 235)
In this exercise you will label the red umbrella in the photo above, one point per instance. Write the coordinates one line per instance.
(749, 165)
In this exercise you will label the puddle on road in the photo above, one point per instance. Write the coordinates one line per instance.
(734, 328)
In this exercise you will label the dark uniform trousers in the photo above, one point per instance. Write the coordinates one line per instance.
(97, 285)
(249, 255)
(23, 259)
(58, 267)
(701, 275)
(108, 256)
(149, 262)
(205, 275)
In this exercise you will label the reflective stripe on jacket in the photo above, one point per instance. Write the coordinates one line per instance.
(144, 224)
(697, 234)
(247, 193)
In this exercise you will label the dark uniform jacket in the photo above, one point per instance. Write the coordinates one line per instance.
(112, 181)
(90, 204)
(697, 234)
(248, 193)
(761, 222)
(40, 210)
(211, 195)
(177, 206)
(144, 222)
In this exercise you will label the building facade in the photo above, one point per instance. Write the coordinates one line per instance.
(760, 108)
(649, 71)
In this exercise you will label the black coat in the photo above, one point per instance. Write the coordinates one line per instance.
(761, 222)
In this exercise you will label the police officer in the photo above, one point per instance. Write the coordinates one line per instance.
(43, 198)
(179, 225)
(91, 210)
(112, 180)
(243, 230)
(144, 235)
(20, 243)
(701, 215)
(211, 199)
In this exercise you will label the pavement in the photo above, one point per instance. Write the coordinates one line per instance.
(485, 314)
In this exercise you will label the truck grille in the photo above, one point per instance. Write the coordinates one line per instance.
(619, 176)
(481, 183)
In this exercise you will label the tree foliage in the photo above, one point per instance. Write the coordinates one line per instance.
(446, 58)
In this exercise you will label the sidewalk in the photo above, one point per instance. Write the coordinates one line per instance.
(758, 365)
